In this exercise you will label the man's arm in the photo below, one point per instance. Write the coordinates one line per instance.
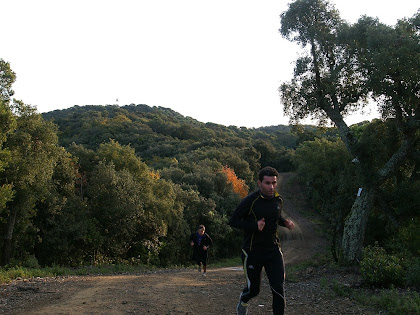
(289, 224)
(240, 218)
(285, 222)
(209, 242)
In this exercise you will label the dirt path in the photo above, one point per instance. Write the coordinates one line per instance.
(185, 291)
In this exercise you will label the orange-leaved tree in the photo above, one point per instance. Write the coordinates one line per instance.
(238, 184)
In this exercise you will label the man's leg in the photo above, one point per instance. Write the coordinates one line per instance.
(274, 267)
(197, 258)
(252, 269)
(204, 260)
(198, 261)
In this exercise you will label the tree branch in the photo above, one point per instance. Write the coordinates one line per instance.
(396, 159)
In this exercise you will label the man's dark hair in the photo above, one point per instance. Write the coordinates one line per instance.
(267, 171)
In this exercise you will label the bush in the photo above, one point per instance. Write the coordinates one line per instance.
(396, 303)
(31, 262)
(409, 237)
(413, 273)
(381, 269)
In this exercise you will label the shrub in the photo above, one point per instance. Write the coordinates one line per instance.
(413, 273)
(409, 237)
(380, 269)
(396, 303)
(31, 262)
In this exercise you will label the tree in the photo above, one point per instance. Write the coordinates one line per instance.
(33, 149)
(7, 125)
(62, 220)
(238, 185)
(27, 153)
(7, 78)
(117, 207)
(123, 157)
(342, 65)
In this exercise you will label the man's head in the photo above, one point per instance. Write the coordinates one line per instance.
(267, 181)
(201, 229)
(267, 171)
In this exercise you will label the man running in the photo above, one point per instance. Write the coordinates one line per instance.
(259, 215)
(201, 242)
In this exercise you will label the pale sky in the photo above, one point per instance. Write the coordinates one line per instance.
(218, 61)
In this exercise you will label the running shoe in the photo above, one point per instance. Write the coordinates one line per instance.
(242, 308)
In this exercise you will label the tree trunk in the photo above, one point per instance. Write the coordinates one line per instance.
(7, 248)
(355, 226)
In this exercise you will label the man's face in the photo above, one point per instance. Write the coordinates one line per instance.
(201, 231)
(268, 185)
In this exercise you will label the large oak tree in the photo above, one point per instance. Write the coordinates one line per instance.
(342, 66)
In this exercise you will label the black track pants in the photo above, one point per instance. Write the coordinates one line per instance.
(200, 256)
(272, 261)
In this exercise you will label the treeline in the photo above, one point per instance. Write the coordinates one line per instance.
(102, 184)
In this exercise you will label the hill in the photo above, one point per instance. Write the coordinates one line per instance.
(157, 133)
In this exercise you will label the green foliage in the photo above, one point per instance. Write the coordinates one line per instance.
(157, 132)
(378, 141)
(378, 268)
(392, 301)
(330, 182)
(326, 82)
(393, 65)
(7, 126)
(7, 78)
(131, 183)
(123, 157)
(30, 262)
(12, 273)
(132, 186)
(409, 238)
(395, 302)
(341, 290)
(342, 66)
(189, 169)
(33, 150)
(116, 205)
(413, 272)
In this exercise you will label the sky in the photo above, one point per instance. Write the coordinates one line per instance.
(218, 61)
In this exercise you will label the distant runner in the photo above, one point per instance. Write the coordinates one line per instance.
(201, 242)
(259, 215)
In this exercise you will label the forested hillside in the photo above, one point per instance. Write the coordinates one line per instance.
(160, 134)
(100, 184)
(177, 171)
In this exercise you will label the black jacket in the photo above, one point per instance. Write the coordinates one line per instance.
(205, 241)
(253, 208)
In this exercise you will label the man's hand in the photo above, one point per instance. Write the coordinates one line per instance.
(192, 243)
(289, 224)
(261, 224)
(205, 247)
